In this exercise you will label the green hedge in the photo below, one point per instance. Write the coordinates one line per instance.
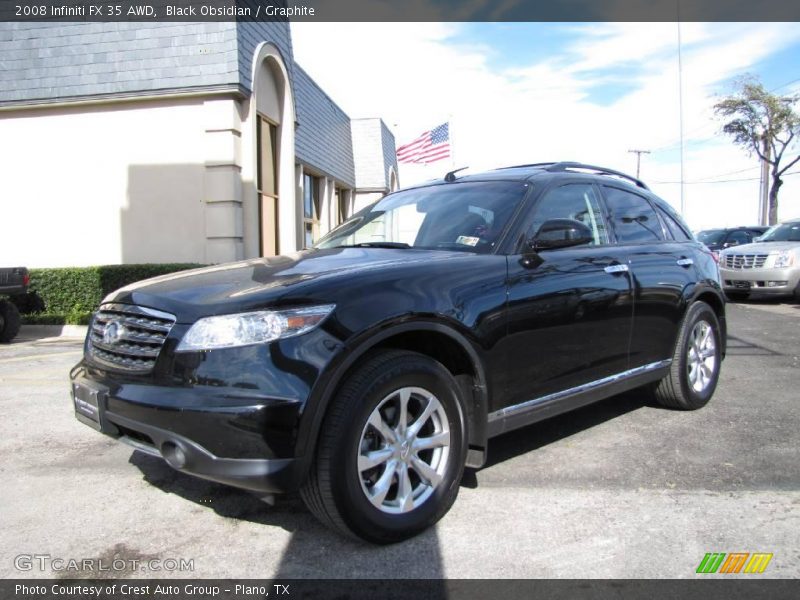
(70, 295)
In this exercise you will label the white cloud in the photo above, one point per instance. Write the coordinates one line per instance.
(417, 75)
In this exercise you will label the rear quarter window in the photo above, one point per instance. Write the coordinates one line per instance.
(675, 229)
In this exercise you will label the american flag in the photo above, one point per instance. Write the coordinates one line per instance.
(431, 146)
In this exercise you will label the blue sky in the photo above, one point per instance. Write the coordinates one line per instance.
(531, 92)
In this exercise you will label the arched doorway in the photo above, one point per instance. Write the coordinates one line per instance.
(269, 212)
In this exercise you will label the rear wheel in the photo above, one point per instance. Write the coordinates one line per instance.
(9, 321)
(391, 452)
(696, 362)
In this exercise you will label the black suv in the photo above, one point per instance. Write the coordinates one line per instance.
(719, 239)
(369, 370)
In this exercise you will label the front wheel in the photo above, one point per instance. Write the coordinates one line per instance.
(696, 362)
(391, 452)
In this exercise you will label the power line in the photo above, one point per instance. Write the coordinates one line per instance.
(701, 182)
(727, 173)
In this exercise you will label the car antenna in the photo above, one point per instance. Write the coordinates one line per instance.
(451, 176)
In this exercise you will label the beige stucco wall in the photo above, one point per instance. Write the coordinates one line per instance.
(144, 181)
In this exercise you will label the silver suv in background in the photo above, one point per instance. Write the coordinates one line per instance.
(769, 266)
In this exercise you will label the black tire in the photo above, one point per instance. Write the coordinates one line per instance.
(9, 321)
(675, 390)
(737, 296)
(335, 491)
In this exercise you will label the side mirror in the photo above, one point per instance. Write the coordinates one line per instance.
(731, 243)
(561, 233)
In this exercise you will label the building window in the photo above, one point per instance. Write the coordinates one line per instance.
(267, 178)
(311, 210)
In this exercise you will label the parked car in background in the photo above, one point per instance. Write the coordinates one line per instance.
(770, 266)
(369, 370)
(719, 239)
(13, 283)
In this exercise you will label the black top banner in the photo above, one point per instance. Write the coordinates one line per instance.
(399, 10)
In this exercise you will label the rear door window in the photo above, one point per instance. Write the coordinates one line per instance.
(633, 218)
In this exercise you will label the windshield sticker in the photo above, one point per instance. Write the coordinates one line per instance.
(468, 240)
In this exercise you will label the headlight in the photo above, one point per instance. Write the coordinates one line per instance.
(784, 258)
(244, 329)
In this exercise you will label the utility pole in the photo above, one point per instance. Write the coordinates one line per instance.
(763, 206)
(638, 154)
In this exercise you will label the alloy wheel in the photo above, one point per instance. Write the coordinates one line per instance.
(404, 450)
(701, 356)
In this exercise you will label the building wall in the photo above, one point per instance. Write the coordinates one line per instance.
(389, 149)
(323, 137)
(135, 142)
(374, 178)
(252, 33)
(372, 138)
(120, 183)
(56, 61)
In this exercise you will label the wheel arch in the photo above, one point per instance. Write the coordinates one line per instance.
(716, 301)
(439, 341)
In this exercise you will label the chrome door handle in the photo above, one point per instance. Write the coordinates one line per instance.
(618, 268)
(685, 262)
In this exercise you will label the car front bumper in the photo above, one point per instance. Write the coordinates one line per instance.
(761, 281)
(217, 439)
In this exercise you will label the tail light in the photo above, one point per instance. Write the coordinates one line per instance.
(26, 279)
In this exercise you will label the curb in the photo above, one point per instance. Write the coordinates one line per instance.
(46, 331)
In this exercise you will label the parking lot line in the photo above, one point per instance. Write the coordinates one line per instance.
(30, 356)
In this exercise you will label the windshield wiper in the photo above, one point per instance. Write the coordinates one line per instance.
(375, 245)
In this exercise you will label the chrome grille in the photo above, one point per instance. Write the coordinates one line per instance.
(128, 337)
(745, 261)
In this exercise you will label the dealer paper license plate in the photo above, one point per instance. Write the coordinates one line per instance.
(88, 398)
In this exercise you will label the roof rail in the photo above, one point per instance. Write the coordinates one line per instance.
(542, 164)
(564, 166)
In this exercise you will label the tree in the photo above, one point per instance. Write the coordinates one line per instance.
(766, 125)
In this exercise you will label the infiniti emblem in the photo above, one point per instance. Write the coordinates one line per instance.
(113, 332)
(404, 448)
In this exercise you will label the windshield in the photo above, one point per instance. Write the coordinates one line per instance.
(711, 236)
(787, 232)
(458, 216)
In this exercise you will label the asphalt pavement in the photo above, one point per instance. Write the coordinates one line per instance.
(620, 489)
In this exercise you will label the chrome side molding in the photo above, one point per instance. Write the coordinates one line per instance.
(525, 406)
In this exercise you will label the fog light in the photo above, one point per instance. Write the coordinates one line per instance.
(776, 283)
(174, 455)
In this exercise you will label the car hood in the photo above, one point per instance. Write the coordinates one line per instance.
(762, 248)
(256, 283)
